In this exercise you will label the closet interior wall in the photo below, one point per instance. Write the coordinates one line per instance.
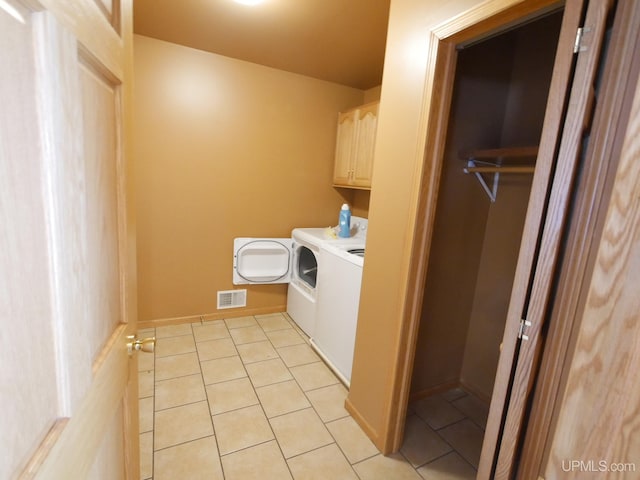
(499, 100)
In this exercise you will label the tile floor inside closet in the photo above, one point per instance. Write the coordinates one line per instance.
(248, 398)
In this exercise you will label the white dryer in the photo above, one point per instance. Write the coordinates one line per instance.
(295, 261)
(283, 260)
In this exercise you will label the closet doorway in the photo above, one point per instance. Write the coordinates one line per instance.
(456, 312)
(496, 116)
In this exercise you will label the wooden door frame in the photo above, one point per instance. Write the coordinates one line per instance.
(471, 26)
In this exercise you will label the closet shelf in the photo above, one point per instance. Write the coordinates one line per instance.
(508, 152)
(477, 163)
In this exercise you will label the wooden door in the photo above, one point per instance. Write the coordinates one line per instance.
(604, 156)
(69, 388)
(561, 144)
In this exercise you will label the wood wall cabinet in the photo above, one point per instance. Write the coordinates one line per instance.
(354, 146)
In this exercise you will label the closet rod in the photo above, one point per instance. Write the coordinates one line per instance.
(478, 167)
(497, 169)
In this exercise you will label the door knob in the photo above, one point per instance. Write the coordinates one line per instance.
(146, 344)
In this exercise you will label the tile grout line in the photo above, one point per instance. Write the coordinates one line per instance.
(293, 378)
(186, 442)
(206, 396)
(153, 413)
(437, 431)
(305, 393)
(484, 428)
(466, 417)
(335, 442)
(275, 438)
(152, 396)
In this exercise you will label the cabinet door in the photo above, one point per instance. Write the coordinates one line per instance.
(365, 143)
(345, 148)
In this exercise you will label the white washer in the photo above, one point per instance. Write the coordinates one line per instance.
(338, 302)
(310, 276)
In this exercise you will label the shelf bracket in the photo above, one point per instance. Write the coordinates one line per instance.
(491, 192)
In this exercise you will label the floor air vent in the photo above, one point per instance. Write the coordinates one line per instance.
(232, 299)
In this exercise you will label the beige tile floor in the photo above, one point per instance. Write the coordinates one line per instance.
(248, 398)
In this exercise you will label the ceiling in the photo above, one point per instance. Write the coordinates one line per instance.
(341, 41)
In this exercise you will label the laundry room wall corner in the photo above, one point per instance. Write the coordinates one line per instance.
(224, 149)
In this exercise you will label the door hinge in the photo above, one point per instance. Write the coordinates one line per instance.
(523, 326)
(578, 46)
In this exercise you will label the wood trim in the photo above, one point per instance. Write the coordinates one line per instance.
(440, 88)
(112, 15)
(492, 17)
(43, 449)
(110, 344)
(368, 429)
(129, 272)
(444, 387)
(206, 317)
(601, 161)
(441, 388)
(351, 187)
(476, 393)
(117, 17)
(123, 24)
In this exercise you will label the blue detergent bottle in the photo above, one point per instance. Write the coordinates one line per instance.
(344, 222)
